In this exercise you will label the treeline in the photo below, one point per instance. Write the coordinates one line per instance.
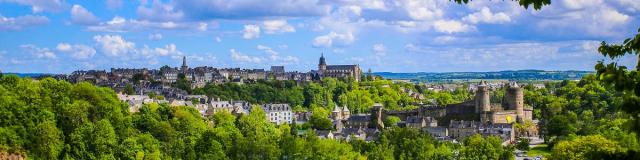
(50, 119)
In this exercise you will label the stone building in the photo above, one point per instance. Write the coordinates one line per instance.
(338, 71)
(278, 113)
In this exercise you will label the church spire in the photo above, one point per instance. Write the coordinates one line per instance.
(184, 61)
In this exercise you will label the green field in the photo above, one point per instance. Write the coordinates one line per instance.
(539, 150)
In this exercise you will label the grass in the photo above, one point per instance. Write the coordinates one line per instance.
(539, 150)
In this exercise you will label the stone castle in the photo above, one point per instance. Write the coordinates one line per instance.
(510, 110)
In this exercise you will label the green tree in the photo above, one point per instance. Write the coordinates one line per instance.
(622, 79)
(47, 143)
(586, 147)
(128, 89)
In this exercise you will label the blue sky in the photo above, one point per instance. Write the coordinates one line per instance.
(58, 36)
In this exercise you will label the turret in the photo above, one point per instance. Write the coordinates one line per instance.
(482, 98)
(515, 100)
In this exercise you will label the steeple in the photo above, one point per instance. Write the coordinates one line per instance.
(322, 65)
(184, 68)
(184, 61)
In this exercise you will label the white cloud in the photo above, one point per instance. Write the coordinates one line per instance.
(38, 6)
(38, 52)
(237, 56)
(114, 45)
(120, 24)
(277, 26)
(451, 26)
(593, 20)
(167, 50)
(203, 26)
(251, 32)
(334, 39)
(155, 37)
(275, 57)
(486, 16)
(81, 15)
(21, 22)
(159, 12)
(218, 39)
(76, 51)
(379, 50)
(422, 10)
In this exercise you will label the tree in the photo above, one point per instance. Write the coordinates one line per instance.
(586, 147)
(47, 143)
(622, 79)
(209, 148)
(105, 140)
(476, 147)
(391, 121)
(523, 144)
(128, 89)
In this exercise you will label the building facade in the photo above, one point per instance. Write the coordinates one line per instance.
(278, 113)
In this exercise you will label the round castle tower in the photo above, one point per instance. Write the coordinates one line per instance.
(483, 103)
(515, 100)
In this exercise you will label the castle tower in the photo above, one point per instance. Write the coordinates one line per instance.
(482, 98)
(346, 114)
(322, 65)
(515, 100)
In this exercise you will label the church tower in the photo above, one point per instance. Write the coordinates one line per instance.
(322, 65)
(184, 68)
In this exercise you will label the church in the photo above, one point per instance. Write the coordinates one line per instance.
(338, 71)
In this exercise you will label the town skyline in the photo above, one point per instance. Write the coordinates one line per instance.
(384, 35)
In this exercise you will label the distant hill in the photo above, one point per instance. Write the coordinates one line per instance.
(32, 75)
(504, 75)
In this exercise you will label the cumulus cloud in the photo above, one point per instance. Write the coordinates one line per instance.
(251, 32)
(486, 16)
(38, 6)
(114, 45)
(277, 26)
(237, 56)
(334, 39)
(81, 15)
(451, 26)
(21, 22)
(76, 51)
(38, 52)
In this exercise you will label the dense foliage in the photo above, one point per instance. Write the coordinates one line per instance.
(573, 111)
(50, 119)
